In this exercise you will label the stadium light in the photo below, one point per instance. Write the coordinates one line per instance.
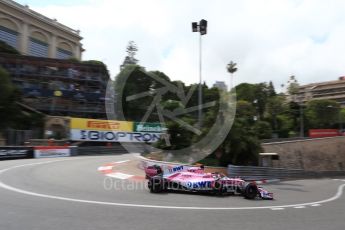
(202, 29)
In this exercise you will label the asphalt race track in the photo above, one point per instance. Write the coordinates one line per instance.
(75, 193)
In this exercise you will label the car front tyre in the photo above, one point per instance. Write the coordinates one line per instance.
(250, 191)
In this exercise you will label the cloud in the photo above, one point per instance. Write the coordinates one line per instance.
(269, 40)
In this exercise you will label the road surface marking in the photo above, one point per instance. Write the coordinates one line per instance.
(105, 168)
(121, 176)
(274, 209)
(121, 162)
(300, 206)
(315, 205)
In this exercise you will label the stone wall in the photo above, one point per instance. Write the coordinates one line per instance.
(312, 154)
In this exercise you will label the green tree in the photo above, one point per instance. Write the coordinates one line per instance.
(275, 106)
(285, 126)
(322, 113)
(241, 146)
(95, 62)
(271, 90)
(342, 117)
(245, 111)
(131, 52)
(257, 94)
(132, 80)
(293, 86)
(261, 96)
(263, 129)
(246, 92)
(231, 68)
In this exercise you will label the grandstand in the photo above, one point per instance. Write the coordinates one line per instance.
(59, 87)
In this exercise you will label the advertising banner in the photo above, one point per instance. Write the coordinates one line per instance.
(15, 152)
(113, 136)
(114, 131)
(101, 125)
(318, 133)
(51, 151)
(148, 127)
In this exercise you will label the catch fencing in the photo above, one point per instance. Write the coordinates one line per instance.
(267, 173)
(19, 137)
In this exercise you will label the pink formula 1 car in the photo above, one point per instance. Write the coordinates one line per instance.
(194, 179)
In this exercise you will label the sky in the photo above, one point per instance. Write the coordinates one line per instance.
(269, 40)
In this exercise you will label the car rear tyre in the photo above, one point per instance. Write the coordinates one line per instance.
(156, 184)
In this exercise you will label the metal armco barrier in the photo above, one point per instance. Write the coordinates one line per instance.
(16, 152)
(98, 150)
(266, 173)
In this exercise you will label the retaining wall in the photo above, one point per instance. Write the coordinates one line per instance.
(319, 154)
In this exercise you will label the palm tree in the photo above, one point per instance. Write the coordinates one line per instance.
(231, 68)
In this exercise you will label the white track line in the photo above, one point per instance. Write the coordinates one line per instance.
(315, 205)
(276, 209)
(118, 175)
(121, 162)
(8, 187)
(104, 168)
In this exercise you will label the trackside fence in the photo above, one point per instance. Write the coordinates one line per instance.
(266, 173)
(99, 150)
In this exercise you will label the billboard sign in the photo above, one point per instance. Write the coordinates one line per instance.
(51, 151)
(114, 131)
(101, 125)
(147, 127)
(15, 152)
(319, 133)
(113, 136)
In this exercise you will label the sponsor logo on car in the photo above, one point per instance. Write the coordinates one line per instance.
(175, 169)
(199, 184)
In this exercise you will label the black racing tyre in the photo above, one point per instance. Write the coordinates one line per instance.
(156, 184)
(250, 191)
(219, 188)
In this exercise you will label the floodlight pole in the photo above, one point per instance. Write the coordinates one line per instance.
(200, 83)
(201, 28)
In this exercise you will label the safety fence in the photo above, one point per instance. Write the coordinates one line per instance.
(22, 152)
(99, 150)
(266, 173)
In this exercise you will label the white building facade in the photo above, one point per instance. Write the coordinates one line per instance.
(36, 35)
(220, 85)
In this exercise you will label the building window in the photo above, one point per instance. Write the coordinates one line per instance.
(63, 54)
(38, 48)
(9, 36)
